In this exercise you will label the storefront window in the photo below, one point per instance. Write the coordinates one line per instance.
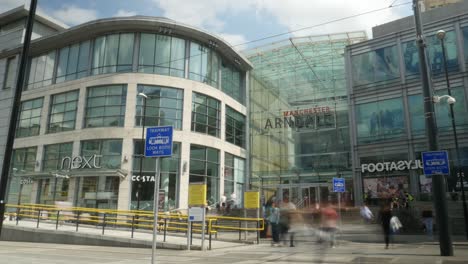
(204, 167)
(113, 53)
(73, 62)
(203, 65)
(235, 127)
(380, 120)
(19, 187)
(376, 66)
(62, 114)
(143, 185)
(231, 82)
(163, 106)
(53, 155)
(416, 110)
(105, 106)
(41, 70)
(234, 177)
(98, 192)
(29, 118)
(109, 149)
(205, 115)
(161, 54)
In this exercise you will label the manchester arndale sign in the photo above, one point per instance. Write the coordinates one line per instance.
(81, 162)
(297, 118)
(392, 166)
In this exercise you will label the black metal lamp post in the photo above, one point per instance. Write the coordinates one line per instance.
(441, 36)
(142, 142)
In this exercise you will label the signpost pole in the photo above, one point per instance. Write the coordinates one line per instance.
(155, 209)
(203, 228)
(189, 231)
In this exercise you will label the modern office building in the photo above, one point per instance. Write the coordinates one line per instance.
(79, 135)
(299, 118)
(387, 113)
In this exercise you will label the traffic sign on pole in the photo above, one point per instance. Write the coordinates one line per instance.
(339, 185)
(435, 163)
(158, 141)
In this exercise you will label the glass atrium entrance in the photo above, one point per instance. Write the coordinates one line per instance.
(304, 195)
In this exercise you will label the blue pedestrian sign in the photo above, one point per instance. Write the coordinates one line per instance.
(158, 141)
(339, 185)
(435, 162)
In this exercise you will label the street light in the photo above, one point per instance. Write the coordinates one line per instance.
(142, 142)
(441, 36)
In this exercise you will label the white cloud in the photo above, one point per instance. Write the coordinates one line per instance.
(234, 40)
(74, 15)
(124, 13)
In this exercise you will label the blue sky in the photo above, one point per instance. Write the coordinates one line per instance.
(237, 21)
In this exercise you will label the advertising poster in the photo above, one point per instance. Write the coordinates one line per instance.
(426, 184)
(385, 187)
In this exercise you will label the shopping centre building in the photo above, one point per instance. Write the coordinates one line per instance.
(79, 134)
(386, 103)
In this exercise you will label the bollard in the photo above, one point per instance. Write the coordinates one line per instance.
(258, 231)
(38, 217)
(209, 230)
(77, 220)
(57, 220)
(133, 225)
(216, 235)
(240, 226)
(191, 232)
(103, 223)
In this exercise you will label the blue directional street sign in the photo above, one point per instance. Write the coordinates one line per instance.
(338, 185)
(158, 141)
(435, 162)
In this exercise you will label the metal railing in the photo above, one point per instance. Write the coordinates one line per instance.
(131, 220)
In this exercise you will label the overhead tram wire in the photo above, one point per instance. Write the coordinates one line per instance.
(102, 76)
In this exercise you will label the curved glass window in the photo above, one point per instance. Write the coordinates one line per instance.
(376, 66)
(62, 114)
(231, 82)
(380, 120)
(105, 106)
(73, 62)
(234, 177)
(29, 122)
(161, 54)
(163, 106)
(203, 65)
(41, 69)
(235, 127)
(23, 161)
(204, 167)
(113, 53)
(53, 155)
(205, 115)
(109, 149)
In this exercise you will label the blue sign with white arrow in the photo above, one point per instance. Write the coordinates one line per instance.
(435, 163)
(339, 185)
(158, 141)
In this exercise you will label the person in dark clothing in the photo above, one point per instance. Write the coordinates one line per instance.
(385, 215)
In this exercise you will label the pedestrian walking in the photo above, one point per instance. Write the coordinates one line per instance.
(427, 219)
(366, 213)
(385, 215)
(329, 223)
(274, 219)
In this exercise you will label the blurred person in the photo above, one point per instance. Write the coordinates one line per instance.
(428, 222)
(286, 207)
(274, 220)
(385, 215)
(366, 213)
(329, 222)
(222, 202)
(296, 225)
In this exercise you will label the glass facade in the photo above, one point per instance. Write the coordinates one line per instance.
(105, 106)
(235, 127)
(143, 185)
(234, 177)
(29, 118)
(162, 54)
(203, 65)
(206, 115)
(164, 106)
(232, 83)
(113, 53)
(109, 149)
(62, 115)
(41, 69)
(377, 66)
(204, 167)
(10, 73)
(53, 155)
(20, 187)
(380, 120)
(73, 62)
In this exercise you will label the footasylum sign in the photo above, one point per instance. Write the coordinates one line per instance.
(400, 165)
